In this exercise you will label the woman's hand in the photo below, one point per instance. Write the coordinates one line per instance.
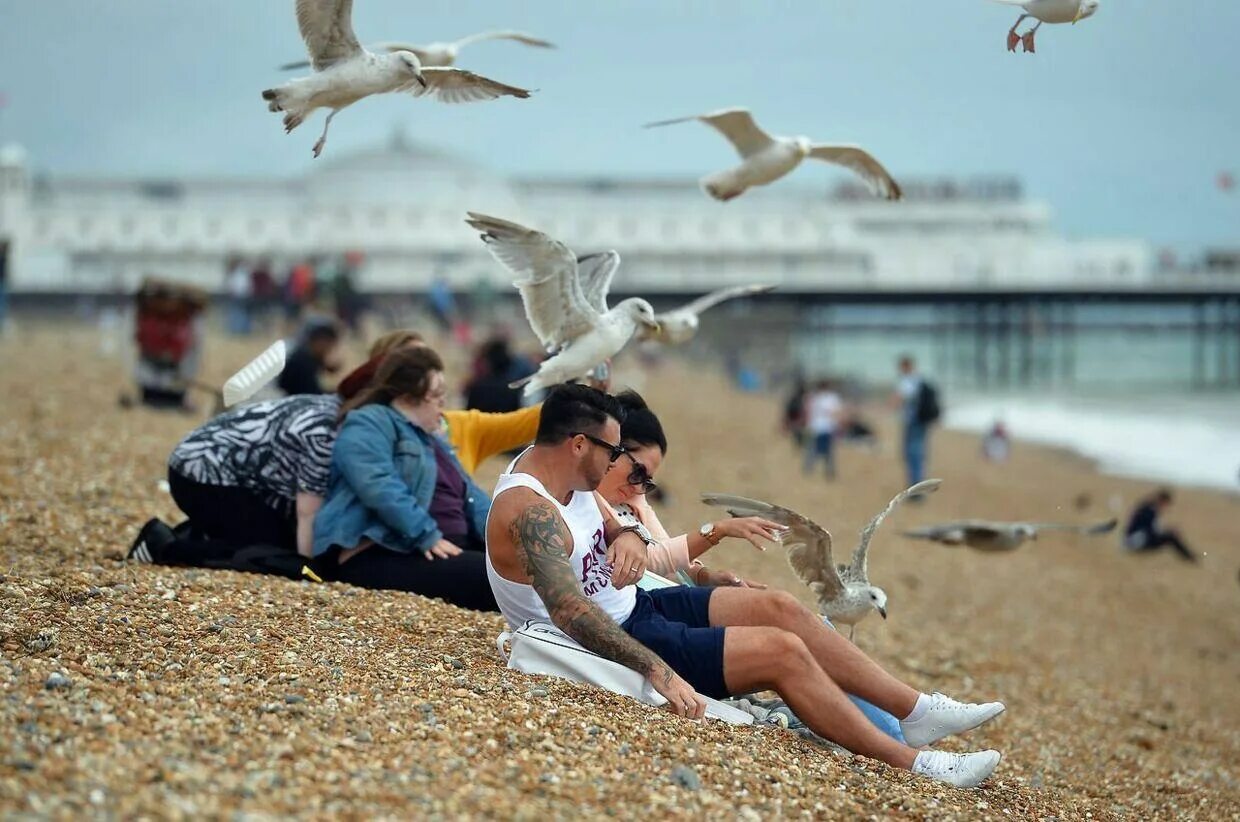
(754, 529)
(627, 555)
(443, 549)
(716, 579)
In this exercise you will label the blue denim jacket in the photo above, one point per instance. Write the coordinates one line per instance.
(382, 479)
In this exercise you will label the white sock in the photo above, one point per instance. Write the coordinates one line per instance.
(919, 710)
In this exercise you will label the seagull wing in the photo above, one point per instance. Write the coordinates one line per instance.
(736, 124)
(519, 36)
(863, 164)
(949, 533)
(857, 568)
(1096, 528)
(595, 273)
(722, 295)
(327, 28)
(546, 272)
(454, 85)
(808, 544)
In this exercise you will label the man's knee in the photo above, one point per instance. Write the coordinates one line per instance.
(785, 653)
(781, 608)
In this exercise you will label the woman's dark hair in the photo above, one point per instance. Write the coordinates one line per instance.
(640, 426)
(405, 372)
(570, 409)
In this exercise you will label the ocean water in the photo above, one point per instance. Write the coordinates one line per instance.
(1184, 440)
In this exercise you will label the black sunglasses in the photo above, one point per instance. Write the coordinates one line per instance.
(614, 451)
(640, 476)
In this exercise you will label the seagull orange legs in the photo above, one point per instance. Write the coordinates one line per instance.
(1013, 37)
(1027, 40)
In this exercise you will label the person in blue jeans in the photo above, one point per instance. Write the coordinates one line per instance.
(908, 397)
(400, 512)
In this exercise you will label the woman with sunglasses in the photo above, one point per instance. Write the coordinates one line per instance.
(631, 478)
(401, 512)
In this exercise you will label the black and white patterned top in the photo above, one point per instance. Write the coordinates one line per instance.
(275, 448)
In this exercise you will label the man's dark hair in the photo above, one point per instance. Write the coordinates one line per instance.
(325, 331)
(1163, 495)
(571, 409)
(640, 425)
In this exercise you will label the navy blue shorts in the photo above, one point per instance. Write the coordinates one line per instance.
(675, 624)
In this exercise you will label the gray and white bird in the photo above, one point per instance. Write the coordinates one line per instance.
(565, 299)
(845, 595)
(999, 536)
(444, 54)
(765, 158)
(681, 324)
(344, 72)
(1046, 11)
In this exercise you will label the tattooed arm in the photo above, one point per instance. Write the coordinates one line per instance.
(544, 544)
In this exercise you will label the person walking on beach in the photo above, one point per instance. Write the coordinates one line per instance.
(822, 415)
(1144, 533)
(918, 402)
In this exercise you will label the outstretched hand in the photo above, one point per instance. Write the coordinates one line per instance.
(755, 529)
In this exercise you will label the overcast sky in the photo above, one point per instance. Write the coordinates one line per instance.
(1122, 122)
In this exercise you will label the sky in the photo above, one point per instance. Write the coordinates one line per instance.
(1122, 123)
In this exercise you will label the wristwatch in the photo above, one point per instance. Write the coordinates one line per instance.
(711, 533)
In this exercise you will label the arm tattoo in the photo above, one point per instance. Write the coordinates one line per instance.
(544, 545)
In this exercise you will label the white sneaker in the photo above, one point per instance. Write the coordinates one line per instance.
(962, 770)
(945, 717)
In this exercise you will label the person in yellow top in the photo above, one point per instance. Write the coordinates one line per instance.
(474, 435)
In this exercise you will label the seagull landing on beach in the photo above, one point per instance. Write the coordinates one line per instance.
(679, 325)
(565, 299)
(765, 158)
(1046, 11)
(344, 72)
(999, 536)
(443, 54)
(845, 595)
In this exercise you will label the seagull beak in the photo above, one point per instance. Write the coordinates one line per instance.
(1080, 10)
(882, 612)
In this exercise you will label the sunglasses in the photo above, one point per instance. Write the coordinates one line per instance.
(614, 451)
(639, 477)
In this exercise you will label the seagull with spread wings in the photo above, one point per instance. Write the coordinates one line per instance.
(1046, 11)
(344, 72)
(999, 536)
(681, 324)
(765, 158)
(565, 299)
(845, 595)
(443, 54)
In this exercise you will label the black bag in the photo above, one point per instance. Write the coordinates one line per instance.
(928, 408)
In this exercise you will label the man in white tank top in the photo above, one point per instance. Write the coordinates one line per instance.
(547, 540)
(548, 546)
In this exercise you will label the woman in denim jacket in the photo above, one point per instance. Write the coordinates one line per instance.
(401, 513)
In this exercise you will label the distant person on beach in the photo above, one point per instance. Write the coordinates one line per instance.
(1145, 533)
(4, 283)
(918, 402)
(794, 412)
(554, 555)
(823, 409)
(315, 352)
(996, 445)
(169, 336)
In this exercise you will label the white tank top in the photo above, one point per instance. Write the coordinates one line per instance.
(519, 602)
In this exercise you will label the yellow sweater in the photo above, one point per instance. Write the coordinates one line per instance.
(476, 435)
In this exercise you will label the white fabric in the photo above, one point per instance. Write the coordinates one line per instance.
(520, 603)
(541, 648)
(822, 412)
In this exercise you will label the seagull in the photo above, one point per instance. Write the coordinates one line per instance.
(768, 158)
(565, 298)
(999, 536)
(1046, 11)
(344, 72)
(443, 54)
(845, 595)
(680, 325)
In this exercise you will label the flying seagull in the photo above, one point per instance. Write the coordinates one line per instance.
(765, 158)
(565, 299)
(844, 592)
(344, 72)
(681, 324)
(1046, 11)
(443, 54)
(999, 536)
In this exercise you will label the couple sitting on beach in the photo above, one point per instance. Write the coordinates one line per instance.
(550, 551)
